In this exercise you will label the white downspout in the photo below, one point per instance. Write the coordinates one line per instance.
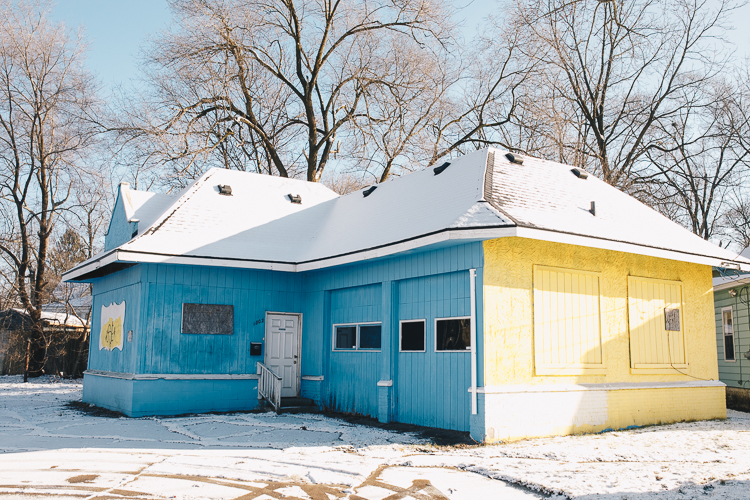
(473, 333)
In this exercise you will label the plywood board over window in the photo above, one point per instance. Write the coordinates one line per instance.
(567, 322)
(657, 325)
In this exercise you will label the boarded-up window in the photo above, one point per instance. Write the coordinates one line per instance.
(657, 338)
(567, 326)
(211, 319)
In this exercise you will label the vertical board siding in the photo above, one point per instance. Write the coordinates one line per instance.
(432, 388)
(122, 286)
(567, 322)
(120, 230)
(428, 390)
(251, 293)
(734, 373)
(450, 402)
(650, 343)
(354, 375)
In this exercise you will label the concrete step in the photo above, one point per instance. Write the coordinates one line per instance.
(295, 405)
(295, 402)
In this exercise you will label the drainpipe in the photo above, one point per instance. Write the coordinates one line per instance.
(473, 281)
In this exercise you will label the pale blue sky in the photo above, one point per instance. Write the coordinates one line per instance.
(117, 29)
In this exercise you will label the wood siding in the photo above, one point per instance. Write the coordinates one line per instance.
(428, 388)
(651, 344)
(432, 386)
(734, 373)
(567, 321)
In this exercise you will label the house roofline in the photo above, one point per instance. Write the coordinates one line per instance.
(732, 284)
(104, 264)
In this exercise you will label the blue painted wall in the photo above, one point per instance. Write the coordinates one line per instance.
(251, 292)
(125, 286)
(353, 375)
(432, 386)
(429, 388)
(120, 230)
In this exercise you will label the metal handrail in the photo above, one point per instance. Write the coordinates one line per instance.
(269, 386)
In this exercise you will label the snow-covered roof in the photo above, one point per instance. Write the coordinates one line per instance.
(479, 196)
(56, 318)
(731, 281)
(145, 206)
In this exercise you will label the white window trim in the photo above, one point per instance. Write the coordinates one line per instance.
(724, 335)
(401, 322)
(434, 344)
(356, 346)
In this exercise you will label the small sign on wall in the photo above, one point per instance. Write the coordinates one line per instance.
(672, 320)
(112, 319)
(210, 319)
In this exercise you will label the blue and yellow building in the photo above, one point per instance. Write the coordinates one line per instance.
(509, 297)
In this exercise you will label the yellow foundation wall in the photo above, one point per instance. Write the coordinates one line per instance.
(509, 330)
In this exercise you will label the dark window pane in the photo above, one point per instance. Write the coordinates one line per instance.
(346, 337)
(412, 336)
(729, 347)
(369, 337)
(453, 334)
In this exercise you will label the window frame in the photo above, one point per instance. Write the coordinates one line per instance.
(434, 343)
(567, 369)
(356, 346)
(400, 330)
(724, 334)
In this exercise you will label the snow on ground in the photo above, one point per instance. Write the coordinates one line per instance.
(49, 449)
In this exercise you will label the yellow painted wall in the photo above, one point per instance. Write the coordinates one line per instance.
(509, 320)
(518, 404)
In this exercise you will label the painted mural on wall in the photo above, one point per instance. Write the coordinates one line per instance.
(113, 316)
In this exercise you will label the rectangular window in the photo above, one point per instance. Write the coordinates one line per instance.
(657, 338)
(363, 336)
(412, 336)
(369, 336)
(727, 322)
(453, 334)
(346, 337)
(567, 323)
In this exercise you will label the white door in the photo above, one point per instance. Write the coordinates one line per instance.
(282, 337)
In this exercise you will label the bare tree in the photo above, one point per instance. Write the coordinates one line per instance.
(611, 71)
(700, 158)
(273, 85)
(45, 96)
(444, 103)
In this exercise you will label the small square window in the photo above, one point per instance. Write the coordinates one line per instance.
(412, 335)
(453, 334)
(346, 337)
(369, 336)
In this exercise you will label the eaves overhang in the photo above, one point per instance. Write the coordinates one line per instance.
(121, 258)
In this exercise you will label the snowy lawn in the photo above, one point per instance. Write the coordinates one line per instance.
(49, 449)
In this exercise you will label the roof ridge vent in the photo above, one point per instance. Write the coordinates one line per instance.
(367, 192)
(295, 198)
(225, 189)
(513, 158)
(580, 173)
(439, 170)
